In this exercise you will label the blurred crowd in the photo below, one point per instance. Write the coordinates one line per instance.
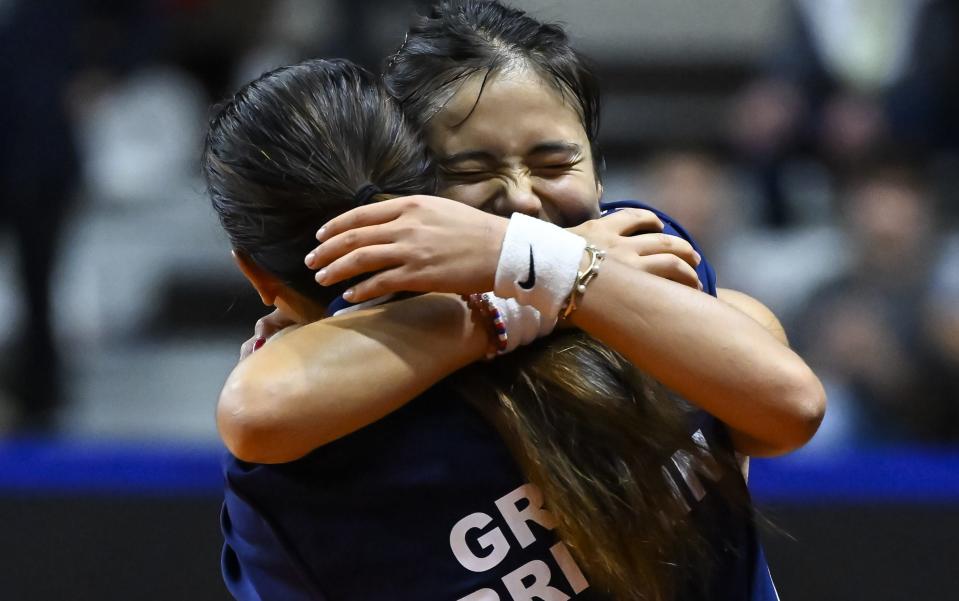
(833, 198)
(105, 106)
(830, 194)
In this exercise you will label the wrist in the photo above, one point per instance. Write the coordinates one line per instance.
(508, 324)
(584, 277)
(538, 264)
(495, 235)
(476, 332)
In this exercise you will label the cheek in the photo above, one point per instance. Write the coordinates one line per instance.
(474, 194)
(570, 200)
(567, 201)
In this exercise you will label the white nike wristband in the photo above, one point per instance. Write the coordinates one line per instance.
(523, 323)
(538, 264)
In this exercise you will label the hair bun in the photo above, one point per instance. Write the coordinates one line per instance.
(365, 194)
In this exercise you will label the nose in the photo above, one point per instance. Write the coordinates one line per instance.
(518, 196)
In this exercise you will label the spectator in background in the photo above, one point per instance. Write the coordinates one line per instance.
(694, 188)
(58, 56)
(38, 169)
(708, 198)
(851, 74)
(941, 329)
(864, 331)
(363, 31)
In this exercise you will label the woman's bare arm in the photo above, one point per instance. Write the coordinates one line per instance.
(711, 353)
(721, 355)
(329, 378)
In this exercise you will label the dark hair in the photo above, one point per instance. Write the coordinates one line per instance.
(293, 148)
(460, 38)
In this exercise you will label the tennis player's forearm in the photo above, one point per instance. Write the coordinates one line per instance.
(709, 353)
(333, 377)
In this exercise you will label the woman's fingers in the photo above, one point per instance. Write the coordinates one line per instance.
(246, 349)
(362, 260)
(264, 329)
(673, 268)
(627, 222)
(376, 213)
(270, 324)
(654, 244)
(346, 242)
(373, 214)
(382, 283)
(635, 236)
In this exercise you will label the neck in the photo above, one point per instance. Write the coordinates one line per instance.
(299, 309)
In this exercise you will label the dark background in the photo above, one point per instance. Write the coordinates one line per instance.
(142, 548)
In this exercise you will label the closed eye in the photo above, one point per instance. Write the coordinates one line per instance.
(555, 169)
(465, 175)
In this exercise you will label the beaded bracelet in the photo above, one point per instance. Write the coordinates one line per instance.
(483, 305)
(583, 278)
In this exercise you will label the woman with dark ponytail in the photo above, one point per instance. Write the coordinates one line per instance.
(296, 147)
(424, 503)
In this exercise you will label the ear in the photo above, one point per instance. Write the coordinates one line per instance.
(599, 189)
(265, 283)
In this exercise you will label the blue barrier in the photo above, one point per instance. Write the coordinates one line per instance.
(72, 466)
(882, 474)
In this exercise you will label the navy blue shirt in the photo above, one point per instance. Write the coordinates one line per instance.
(427, 504)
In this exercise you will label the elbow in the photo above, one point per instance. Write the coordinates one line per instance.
(812, 403)
(805, 400)
(247, 428)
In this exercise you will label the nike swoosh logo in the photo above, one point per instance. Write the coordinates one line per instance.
(531, 280)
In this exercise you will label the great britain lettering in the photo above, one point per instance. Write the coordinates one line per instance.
(480, 544)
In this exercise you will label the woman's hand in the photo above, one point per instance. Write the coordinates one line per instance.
(266, 327)
(413, 244)
(634, 237)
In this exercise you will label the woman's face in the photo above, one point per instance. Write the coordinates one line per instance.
(519, 148)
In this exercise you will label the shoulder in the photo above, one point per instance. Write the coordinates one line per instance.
(707, 274)
(671, 225)
(754, 309)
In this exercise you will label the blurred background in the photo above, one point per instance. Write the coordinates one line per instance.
(812, 147)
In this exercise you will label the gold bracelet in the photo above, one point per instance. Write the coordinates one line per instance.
(583, 278)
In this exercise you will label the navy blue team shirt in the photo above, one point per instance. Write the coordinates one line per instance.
(427, 504)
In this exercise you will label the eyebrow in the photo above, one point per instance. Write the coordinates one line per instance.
(555, 148)
(484, 156)
(468, 155)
